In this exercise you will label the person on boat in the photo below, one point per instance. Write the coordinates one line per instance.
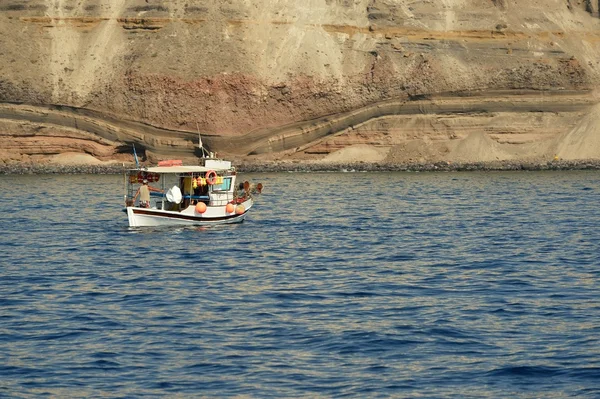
(144, 193)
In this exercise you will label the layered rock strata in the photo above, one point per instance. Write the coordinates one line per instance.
(414, 81)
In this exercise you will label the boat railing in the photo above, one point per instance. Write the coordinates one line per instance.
(187, 196)
(216, 198)
(197, 197)
(220, 198)
(219, 202)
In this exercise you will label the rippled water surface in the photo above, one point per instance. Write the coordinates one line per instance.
(337, 285)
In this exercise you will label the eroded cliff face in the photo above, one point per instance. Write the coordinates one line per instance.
(280, 78)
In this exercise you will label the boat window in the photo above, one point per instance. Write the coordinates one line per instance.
(225, 186)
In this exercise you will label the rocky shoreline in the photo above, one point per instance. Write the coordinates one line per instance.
(254, 167)
(422, 167)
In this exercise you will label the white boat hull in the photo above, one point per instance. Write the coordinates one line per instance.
(214, 215)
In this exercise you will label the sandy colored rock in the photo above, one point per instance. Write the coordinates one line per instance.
(582, 142)
(268, 80)
(357, 153)
(68, 158)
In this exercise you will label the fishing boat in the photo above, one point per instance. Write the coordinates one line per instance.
(204, 194)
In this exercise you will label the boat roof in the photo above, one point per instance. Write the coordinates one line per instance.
(180, 169)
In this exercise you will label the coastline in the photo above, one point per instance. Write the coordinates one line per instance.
(277, 166)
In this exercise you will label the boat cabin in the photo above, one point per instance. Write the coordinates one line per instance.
(175, 187)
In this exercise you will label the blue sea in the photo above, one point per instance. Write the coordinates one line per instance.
(359, 285)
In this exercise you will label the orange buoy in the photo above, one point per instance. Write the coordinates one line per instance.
(239, 210)
(200, 207)
(229, 208)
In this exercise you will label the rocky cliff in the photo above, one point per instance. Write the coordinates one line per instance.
(456, 80)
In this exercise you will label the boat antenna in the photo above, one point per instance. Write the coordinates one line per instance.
(200, 146)
(137, 162)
